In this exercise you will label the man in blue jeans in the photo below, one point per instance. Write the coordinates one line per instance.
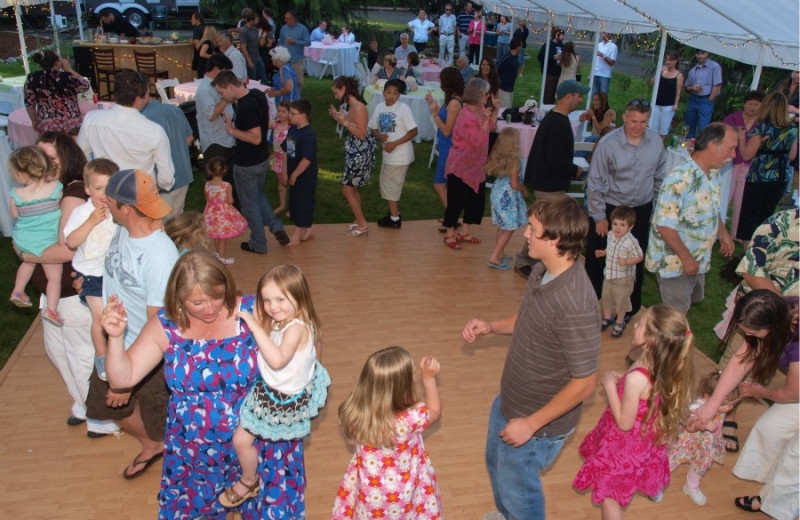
(250, 159)
(552, 362)
(703, 83)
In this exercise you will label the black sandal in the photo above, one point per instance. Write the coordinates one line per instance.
(728, 437)
(607, 322)
(746, 504)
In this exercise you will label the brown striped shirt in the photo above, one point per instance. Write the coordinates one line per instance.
(556, 338)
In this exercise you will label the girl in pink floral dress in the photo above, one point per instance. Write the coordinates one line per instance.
(280, 129)
(390, 475)
(223, 221)
(627, 451)
(701, 449)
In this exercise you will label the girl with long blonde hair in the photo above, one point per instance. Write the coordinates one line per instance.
(509, 211)
(627, 451)
(385, 419)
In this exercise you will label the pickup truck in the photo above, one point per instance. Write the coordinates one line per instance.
(140, 12)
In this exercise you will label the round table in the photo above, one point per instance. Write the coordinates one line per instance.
(345, 54)
(416, 102)
(188, 91)
(20, 127)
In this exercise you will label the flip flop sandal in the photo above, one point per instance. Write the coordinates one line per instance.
(746, 503)
(618, 329)
(502, 266)
(728, 437)
(469, 239)
(144, 463)
(230, 498)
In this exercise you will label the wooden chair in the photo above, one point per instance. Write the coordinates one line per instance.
(105, 69)
(146, 64)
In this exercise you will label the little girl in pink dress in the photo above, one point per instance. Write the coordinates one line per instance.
(280, 129)
(222, 220)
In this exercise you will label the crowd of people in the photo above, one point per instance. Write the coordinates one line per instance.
(138, 301)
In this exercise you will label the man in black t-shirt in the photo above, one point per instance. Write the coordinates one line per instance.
(250, 158)
(116, 24)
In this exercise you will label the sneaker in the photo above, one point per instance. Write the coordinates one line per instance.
(20, 299)
(522, 270)
(100, 366)
(389, 222)
(695, 494)
(282, 238)
(246, 247)
(75, 421)
(659, 497)
(225, 260)
(53, 318)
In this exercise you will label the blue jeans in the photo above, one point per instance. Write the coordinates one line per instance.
(600, 84)
(514, 472)
(698, 114)
(258, 72)
(256, 209)
(502, 48)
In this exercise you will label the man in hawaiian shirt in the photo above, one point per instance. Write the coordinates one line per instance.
(686, 220)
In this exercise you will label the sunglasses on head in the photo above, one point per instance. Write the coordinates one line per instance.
(637, 103)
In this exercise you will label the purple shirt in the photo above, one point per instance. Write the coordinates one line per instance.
(736, 120)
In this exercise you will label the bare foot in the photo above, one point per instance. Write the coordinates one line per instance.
(305, 236)
(293, 242)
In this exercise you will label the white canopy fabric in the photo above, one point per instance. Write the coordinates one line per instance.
(766, 34)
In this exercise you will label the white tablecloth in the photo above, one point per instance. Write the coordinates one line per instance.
(346, 57)
(416, 102)
(16, 87)
(187, 92)
(6, 221)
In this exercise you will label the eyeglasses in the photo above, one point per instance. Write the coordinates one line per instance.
(447, 9)
(294, 113)
(638, 103)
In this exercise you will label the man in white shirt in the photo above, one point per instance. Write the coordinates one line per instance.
(319, 31)
(402, 50)
(127, 137)
(606, 58)
(422, 28)
(448, 24)
(225, 44)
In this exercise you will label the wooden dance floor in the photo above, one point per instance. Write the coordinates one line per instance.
(393, 287)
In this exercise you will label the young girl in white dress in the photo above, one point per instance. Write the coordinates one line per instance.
(294, 384)
(509, 210)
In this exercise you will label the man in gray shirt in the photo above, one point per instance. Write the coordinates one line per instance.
(248, 42)
(294, 36)
(225, 44)
(628, 166)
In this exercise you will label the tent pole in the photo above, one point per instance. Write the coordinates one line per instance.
(22, 48)
(546, 55)
(757, 73)
(483, 37)
(80, 20)
(657, 79)
(55, 27)
(597, 34)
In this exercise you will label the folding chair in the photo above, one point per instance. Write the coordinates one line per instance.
(329, 59)
(161, 87)
(434, 148)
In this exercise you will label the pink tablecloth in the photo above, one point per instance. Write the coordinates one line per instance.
(431, 72)
(20, 128)
(188, 91)
(527, 133)
(315, 50)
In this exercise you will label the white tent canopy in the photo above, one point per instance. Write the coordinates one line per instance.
(768, 35)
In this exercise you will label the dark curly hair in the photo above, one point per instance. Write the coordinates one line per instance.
(452, 83)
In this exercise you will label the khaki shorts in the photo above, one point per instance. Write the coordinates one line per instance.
(151, 393)
(616, 296)
(391, 180)
(681, 292)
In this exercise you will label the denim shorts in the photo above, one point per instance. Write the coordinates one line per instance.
(92, 286)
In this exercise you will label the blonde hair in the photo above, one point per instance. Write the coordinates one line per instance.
(775, 110)
(197, 269)
(210, 34)
(188, 231)
(504, 157)
(33, 162)
(668, 356)
(291, 281)
(101, 166)
(384, 388)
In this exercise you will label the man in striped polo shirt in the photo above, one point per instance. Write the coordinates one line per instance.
(552, 361)
(464, 18)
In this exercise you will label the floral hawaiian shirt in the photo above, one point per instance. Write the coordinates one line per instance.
(774, 253)
(688, 203)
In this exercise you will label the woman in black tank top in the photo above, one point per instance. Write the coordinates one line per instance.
(669, 94)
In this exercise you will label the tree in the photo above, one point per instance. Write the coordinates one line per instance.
(308, 12)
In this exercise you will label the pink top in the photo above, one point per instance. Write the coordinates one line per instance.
(736, 120)
(470, 148)
(475, 31)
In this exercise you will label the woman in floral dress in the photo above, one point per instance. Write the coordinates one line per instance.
(51, 94)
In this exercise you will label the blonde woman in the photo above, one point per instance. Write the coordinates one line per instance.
(206, 49)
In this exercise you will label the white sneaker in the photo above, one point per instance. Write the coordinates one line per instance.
(659, 497)
(695, 494)
(494, 515)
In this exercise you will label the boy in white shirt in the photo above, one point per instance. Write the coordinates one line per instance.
(89, 231)
(393, 124)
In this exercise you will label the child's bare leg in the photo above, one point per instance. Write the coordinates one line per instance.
(95, 304)
(24, 273)
(219, 246)
(501, 240)
(247, 453)
(296, 236)
(610, 510)
(53, 289)
(306, 233)
(282, 189)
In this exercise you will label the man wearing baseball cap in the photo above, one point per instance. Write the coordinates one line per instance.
(138, 264)
(550, 166)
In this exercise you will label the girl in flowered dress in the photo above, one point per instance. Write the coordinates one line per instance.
(280, 129)
(223, 221)
(509, 210)
(390, 475)
(293, 386)
(702, 448)
(627, 451)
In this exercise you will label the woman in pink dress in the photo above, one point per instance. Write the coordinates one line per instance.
(465, 164)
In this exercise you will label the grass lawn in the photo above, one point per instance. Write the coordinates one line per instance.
(421, 202)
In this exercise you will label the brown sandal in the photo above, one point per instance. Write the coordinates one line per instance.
(230, 498)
